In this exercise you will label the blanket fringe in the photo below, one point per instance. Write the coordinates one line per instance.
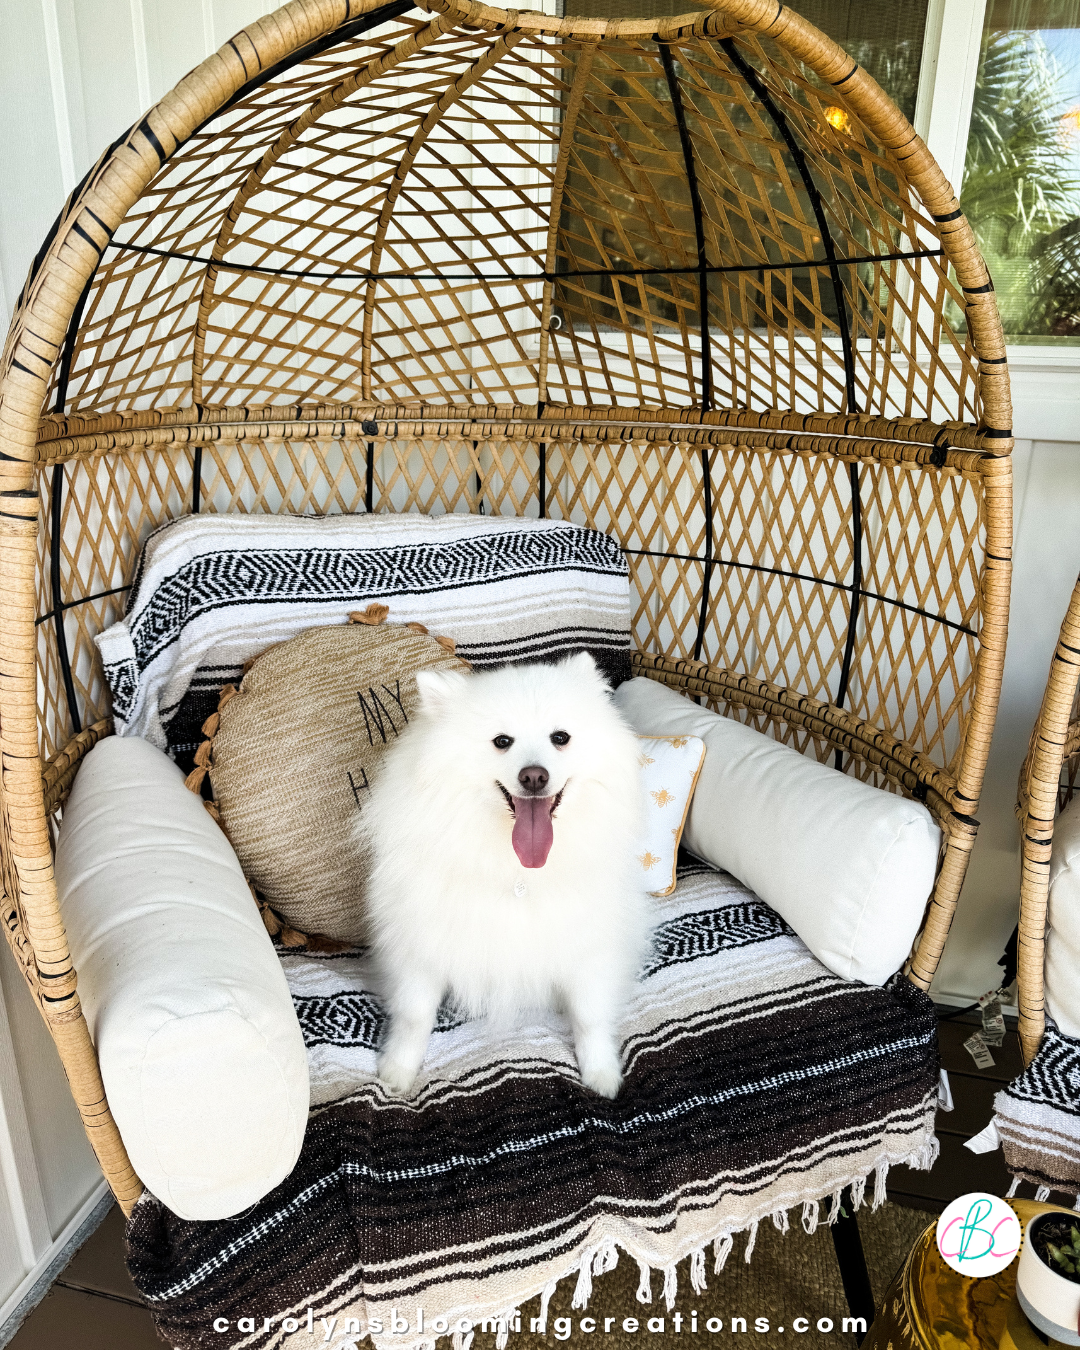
(504, 1326)
(881, 1175)
(697, 1271)
(607, 1258)
(1013, 1188)
(545, 1299)
(1042, 1194)
(644, 1289)
(604, 1255)
(583, 1288)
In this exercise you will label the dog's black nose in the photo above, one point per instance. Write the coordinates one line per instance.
(533, 778)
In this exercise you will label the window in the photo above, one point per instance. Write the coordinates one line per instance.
(1021, 188)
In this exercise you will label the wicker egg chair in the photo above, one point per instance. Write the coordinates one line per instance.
(1047, 784)
(692, 281)
(1036, 1115)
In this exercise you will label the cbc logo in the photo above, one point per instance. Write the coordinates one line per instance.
(978, 1234)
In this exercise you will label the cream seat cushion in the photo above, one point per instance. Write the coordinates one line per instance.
(1062, 968)
(849, 866)
(201, 1053)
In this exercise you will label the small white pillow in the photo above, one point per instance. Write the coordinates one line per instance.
(669, 767)
(1062, 965)
(849, 866)
(201, 1054)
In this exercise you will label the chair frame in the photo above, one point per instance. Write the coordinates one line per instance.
(35, 445)
(1041, 794)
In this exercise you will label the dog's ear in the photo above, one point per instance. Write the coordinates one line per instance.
(582, 665)
(438, 687)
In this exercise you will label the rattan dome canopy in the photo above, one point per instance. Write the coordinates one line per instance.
(359, 203)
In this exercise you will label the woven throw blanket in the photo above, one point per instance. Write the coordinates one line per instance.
(211, 591)
(758, 1084)
(1038, 1116)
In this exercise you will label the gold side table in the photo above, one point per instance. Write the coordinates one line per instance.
(929, 1306)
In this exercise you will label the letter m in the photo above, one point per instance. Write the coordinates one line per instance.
(856, 1325)
(376, 717)
(493, 1324)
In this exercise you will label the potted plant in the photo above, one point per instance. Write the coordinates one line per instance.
(1048, 1275)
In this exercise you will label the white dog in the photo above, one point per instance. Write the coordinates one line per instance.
(502, 830)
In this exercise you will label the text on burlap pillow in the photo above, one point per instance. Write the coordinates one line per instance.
(293, 753)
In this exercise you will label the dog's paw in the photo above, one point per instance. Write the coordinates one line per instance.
(601, 1072)
(396, 1075)
(605, 1082)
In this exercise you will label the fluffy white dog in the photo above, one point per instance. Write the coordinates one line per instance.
(502, 830)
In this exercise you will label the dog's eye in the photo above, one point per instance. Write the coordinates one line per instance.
(503, 742)
(560, 738)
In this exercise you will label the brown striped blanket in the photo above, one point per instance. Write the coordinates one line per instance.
(1038, 1118)
(758, 1084)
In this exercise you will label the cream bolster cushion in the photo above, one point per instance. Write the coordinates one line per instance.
(201, 1053)
(849, 866)
(1061, 972)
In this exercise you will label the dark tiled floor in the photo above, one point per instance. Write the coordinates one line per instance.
(94, 1304)
(958, 1170)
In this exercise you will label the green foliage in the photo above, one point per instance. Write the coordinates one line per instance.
(1066, 1256)
(1019, 193)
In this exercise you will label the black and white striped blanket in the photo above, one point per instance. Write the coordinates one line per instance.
(757, 1084)
(211, 591)
(1038, 1117)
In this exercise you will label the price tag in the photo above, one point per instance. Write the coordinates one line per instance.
(976, 1048)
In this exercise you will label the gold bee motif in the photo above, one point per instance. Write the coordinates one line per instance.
(644, 760)
(648, 860)
(662, 797)
(679, 741)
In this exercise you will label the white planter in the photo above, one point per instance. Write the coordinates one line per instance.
(1050, 1300)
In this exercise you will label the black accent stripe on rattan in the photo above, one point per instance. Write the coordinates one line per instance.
(712, 269)
(57, 598)
(196, 479)
(757, 85)
(82, 600)
(676, 557)
(679, 113)
(856, 596)
(805, 576)
(541, 467)
(952, 215)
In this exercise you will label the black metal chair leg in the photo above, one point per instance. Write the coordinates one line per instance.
(852, 1263)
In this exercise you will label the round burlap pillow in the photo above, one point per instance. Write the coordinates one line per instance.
(292, 754)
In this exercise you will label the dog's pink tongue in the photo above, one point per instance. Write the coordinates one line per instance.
(533, 834)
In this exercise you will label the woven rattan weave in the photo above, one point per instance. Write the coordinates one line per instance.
(693, 281)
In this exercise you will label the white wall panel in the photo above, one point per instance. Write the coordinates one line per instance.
(108, 69)
(66, 1166)
(30, 170)
(177, 39)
